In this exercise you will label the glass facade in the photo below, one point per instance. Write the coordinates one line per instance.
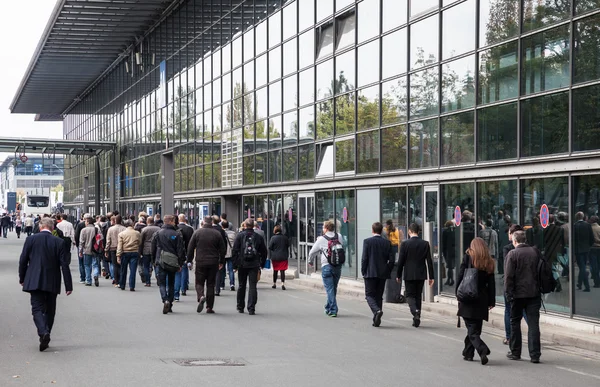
(263, 97)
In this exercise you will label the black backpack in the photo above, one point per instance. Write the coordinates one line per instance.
(546, 280)
(336, 255)
(250, 253)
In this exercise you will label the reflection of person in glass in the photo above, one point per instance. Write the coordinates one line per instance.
(394, 235)
(468, 229)
(553, 245)
(503, 240)
(583, 240)
(449, 250)
(595, 252)
(535, 234)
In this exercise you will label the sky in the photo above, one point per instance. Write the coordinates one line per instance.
(20, 32)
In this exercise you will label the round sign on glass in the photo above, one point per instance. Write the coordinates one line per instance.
(544, 216)
(345, 215)
(290, 214)
(457, 216)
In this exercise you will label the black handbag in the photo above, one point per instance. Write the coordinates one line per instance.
(467, 290)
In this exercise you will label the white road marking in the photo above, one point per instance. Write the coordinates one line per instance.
(445, 337)
(578, 372)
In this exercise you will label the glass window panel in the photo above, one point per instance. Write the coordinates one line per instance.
(275, 98)
(458, 145)
(325, 79)
(207, 96)
(344, 106)
(227, 116)
(582, 6)
(421, 7)
(341, 4)
(290, 164)
(424, 42)
(260, 168)
(497, 132)
(275, 173)
(307, 86)
(393, 148)
(207, 69)
(424, 144)
(290, 92)
(216, 92)
(344, 156)
(347, 199)
(393, 101)
(261, 70)
(216, 59)
(368, 63)
(325, 159)
(458, 32)
(249, 170)
(586, 53)
(226, 58)
(586, 118)
(237, 81)
(325, 41)
(324, 9)
(395, 13)
(367, 152)
(554, 192)
(261, 38)
(275, 64)
(248, 45)
(544, 125)
(545, 64)
(424, 98)
(307, 48)
(289, 20)
(274, 29)
(261, 135)
(306, 162)
(325, 119)
(345, 72)
(248, 112)
(262, 102)
(306, 14)
(345, 27)
(290, 55)
(498, 73)
(393, 207)
(306, 124)
(541, 13)
(368, 19)
(368, 108)
(290, 128)
(248, 76)
(458, 84)
(393, 59)
(226, 81)
(236, 52)
(498, 21)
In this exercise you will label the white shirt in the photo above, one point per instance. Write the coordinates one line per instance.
(320, 247)
(67, 228)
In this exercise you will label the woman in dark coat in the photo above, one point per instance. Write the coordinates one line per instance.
(449, 250)
(279, 246)
(473, 313)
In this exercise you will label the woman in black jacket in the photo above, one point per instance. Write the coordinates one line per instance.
(474, 312)
(279, 246)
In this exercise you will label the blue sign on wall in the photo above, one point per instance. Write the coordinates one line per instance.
(38, 168)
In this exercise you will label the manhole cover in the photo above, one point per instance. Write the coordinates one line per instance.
(210, 362)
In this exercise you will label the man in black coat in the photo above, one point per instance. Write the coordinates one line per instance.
(42, 260)
(5, 223)
(377, 264)
(583, 240)
(415, 254)
(183, 278)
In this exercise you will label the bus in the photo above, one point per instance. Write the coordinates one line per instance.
(37, 205)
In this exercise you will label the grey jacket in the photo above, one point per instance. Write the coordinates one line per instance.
(87, 239)
(146, 243)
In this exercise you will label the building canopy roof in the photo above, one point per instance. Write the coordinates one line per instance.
(82, 40)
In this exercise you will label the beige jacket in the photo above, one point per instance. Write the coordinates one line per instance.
(129, 241)
(596, 230)
(112, 236)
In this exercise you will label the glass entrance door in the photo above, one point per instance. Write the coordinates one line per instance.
(431, 234)
(306, 229)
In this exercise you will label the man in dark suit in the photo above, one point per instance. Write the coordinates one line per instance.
(415, 255)
(42, 260)
(377, 264)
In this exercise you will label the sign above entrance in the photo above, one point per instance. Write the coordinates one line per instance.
(544, 216)
(345, 215)
(457, 216)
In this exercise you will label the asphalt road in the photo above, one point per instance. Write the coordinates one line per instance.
(107, 337)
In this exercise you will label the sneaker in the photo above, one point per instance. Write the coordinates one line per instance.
(535, 360)
(282, 287)
(377, 318)
(201, 305)
(177, 300)
(82, 282)
(232, 288)
(96, 281)
(183, 293)
(88, 284)
(513, 357)
(166, 307)
(417, 320)
(332, 314)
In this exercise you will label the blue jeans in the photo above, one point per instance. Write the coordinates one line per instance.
(582, 278)
(81, 268)
(90, 262)
(507, 306)
(166, 279)
(331, 277)
(182, 279)
(128, 260)
(229, 267)
(146, 264)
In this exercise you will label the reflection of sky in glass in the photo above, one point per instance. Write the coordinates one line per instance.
(307, 48)
(275, 64)
(307, 79)
(393, 56)
(324, 79)
(274, 29)
(498, 20)
(261, 37)
(420, 7)
(261, 103)
(458, 34)
(306, 122)
(306, 14)
(275, 98)
(248, 47)
(289, 57)
(368, 63)
(424, 42)
(289, 92)
(394, 13)
(458, 84)
(344, 67)
(368, 19)
(289, 21)
(324, 9)
(261, 70)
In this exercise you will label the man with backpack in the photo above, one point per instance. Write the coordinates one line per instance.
(522, 290)
(87, 239)
(249, 255)
(329, 247)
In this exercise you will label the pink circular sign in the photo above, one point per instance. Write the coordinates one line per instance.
(249, 214)
(457, 216)
(290, 214)
(544, 216)
(345, 215)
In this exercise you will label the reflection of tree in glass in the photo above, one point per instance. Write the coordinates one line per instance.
(502, 22)
(586, 49)
(540, 13)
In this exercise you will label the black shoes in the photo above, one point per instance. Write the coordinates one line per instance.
(201, 305)
(251, 313)
(467, 358)
(484, 359)
(510, 356)
(417, 320)
(210, 311)
(274, 286)
(232, 288)
(166, 307)
(183, 293)
(44, 342)
(377, 318)
(96, 281)
(282, 287)
(240, 310)
(535, 360)
(86, 284)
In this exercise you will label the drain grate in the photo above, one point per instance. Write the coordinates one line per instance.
(210, 362)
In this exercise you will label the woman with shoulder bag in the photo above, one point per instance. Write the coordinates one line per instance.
(279, 246)
(476, 297)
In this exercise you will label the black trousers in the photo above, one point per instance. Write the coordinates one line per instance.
(531, 306)
(414, 295)
(246, 276)
(206, 275)
(374, 288)
(473, 340)
(275, 275)
(43, 308)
